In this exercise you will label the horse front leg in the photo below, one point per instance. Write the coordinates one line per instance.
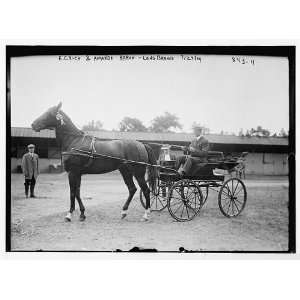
(77, 195)
(72, 185)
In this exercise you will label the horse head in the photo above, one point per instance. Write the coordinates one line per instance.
(50, 119)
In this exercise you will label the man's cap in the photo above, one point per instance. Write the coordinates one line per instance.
(30, 146)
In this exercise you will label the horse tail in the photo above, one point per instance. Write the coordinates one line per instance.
(152, 171)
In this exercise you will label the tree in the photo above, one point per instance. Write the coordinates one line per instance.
(131, 124)
(283, 133)
(93, 126)
(262, 132)
(241, 132)
(248, 134)
(165, 123)
(196, 126)
(259, 132)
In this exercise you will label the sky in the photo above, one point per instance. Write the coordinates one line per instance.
(221, 92)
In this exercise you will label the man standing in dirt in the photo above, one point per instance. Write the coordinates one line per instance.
(30, 168)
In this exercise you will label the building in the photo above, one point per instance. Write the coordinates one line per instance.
(267, 156)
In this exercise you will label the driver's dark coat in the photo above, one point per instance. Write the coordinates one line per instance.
(198, 145)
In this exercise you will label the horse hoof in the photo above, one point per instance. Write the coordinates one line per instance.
(123, 214)
(144, 219)
(82, 218)
(67, 219)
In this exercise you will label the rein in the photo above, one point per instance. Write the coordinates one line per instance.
(94, 155)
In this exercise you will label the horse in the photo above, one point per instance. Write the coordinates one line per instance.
(111, 155)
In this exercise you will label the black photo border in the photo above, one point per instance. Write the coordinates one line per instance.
(275, 51)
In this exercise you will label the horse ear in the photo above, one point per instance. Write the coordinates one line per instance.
(59, 105)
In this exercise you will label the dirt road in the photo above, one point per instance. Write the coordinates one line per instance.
(38, 224)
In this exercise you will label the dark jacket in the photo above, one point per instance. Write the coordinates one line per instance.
(199, 145)
(30, 165)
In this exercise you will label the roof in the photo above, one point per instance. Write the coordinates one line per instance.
(157, 137)
(28, 132)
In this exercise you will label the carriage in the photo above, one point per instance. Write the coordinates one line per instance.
(185, 196)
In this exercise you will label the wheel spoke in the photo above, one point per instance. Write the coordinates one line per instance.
(235, 187)
(226, 201)
(189, 192)
(162, 204)
(235, 206)
(177, 203)
(179, 193)
(178, 208)
(228, 207)
(195, 198)
(194, 210)
(182, 211)
(224, 193)
(232, 208)
(239, 201)
(228, 189)
(179, 199)
(187, 210)
(240, 196)
(226, 196)
(156, 203)
(239, 191)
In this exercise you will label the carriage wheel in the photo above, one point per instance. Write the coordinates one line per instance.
(232, 197)
(158, 198)
(185, 200)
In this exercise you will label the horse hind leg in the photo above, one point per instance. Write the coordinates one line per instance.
(128, 179)
(146, 191)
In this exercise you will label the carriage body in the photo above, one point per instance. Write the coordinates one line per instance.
(184, 196)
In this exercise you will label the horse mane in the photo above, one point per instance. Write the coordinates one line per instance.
(70, 125)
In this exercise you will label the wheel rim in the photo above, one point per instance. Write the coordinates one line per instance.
(232, 197)
(184, 201)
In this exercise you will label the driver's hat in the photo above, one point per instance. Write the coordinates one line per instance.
(30, 146)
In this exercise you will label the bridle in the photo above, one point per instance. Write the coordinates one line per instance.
(60, 118)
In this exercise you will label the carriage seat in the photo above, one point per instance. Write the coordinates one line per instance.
(214, 156)
(201, 167)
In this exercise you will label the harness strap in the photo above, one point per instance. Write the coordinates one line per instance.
(92, 151)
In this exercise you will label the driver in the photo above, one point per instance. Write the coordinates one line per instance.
(198, 150)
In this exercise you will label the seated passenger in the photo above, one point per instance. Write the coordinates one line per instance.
(198, 150)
